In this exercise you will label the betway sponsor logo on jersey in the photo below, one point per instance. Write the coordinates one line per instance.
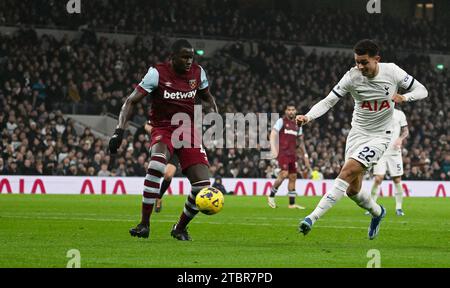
(375, 106)
(291, 132)
(179, 95)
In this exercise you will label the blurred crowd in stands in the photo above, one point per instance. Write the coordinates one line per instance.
(233, 19)
(43, 79)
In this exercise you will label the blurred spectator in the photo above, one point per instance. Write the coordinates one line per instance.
(104, 172)
(218, 185)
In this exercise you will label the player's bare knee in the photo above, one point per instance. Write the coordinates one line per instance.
(397, 179)
(348, 175)
(284, 174)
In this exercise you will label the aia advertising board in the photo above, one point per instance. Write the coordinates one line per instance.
(180, 186)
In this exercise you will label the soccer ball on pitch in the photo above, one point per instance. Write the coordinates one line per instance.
(209, 200)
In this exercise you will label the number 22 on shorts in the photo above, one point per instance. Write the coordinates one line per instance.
(366, 154)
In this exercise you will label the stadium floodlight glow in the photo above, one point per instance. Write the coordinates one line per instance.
(200, 52)
(440, 66)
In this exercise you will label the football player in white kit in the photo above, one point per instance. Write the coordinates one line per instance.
(373, 86)
(392, 161)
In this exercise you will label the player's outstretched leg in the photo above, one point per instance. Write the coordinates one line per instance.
(198, 175)
(328, 200)
(155, 171)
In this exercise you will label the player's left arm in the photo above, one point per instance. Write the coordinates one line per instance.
(206, 96)
(416, 90)
(404, 131)
(204, 93)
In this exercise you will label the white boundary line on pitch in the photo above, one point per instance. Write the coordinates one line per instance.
(170, 216)
(198, 222)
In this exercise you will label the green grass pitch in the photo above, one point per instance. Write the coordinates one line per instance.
(38, 230)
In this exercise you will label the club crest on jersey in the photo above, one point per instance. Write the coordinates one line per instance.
(193, 83)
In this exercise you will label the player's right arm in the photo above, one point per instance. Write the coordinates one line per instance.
(147, 85)
(128, 106)
(148, 127)
(274, 143)
(328, 102)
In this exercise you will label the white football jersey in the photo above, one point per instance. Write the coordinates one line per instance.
(399, 121)
(374, 106)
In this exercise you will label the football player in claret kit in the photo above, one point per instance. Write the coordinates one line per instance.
(287, 132)
(373, 86)
(392, 161)
(172, 86)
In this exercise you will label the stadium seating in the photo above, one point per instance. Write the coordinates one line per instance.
(229, 19)
(45, 78)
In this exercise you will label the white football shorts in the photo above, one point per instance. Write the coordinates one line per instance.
(392, 163)
(366, 148)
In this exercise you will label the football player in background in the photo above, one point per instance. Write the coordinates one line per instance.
(392, 161)
(283, 143)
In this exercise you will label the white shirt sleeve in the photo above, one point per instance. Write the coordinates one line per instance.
(278, 125)
(339, 91)
(150, 80)
(344, 86)
(203, 79)
(416, 92)
(402, 78)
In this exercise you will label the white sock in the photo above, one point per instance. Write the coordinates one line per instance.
(398, 196)
(374, 192)
(365, 201)
(329, 199)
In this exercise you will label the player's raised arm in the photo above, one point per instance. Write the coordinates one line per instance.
(328, 102)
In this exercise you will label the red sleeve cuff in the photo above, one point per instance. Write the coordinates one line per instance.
(141, 90)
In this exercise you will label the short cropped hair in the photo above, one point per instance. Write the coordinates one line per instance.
(367, 46)
(180, 44)
(290, 104)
